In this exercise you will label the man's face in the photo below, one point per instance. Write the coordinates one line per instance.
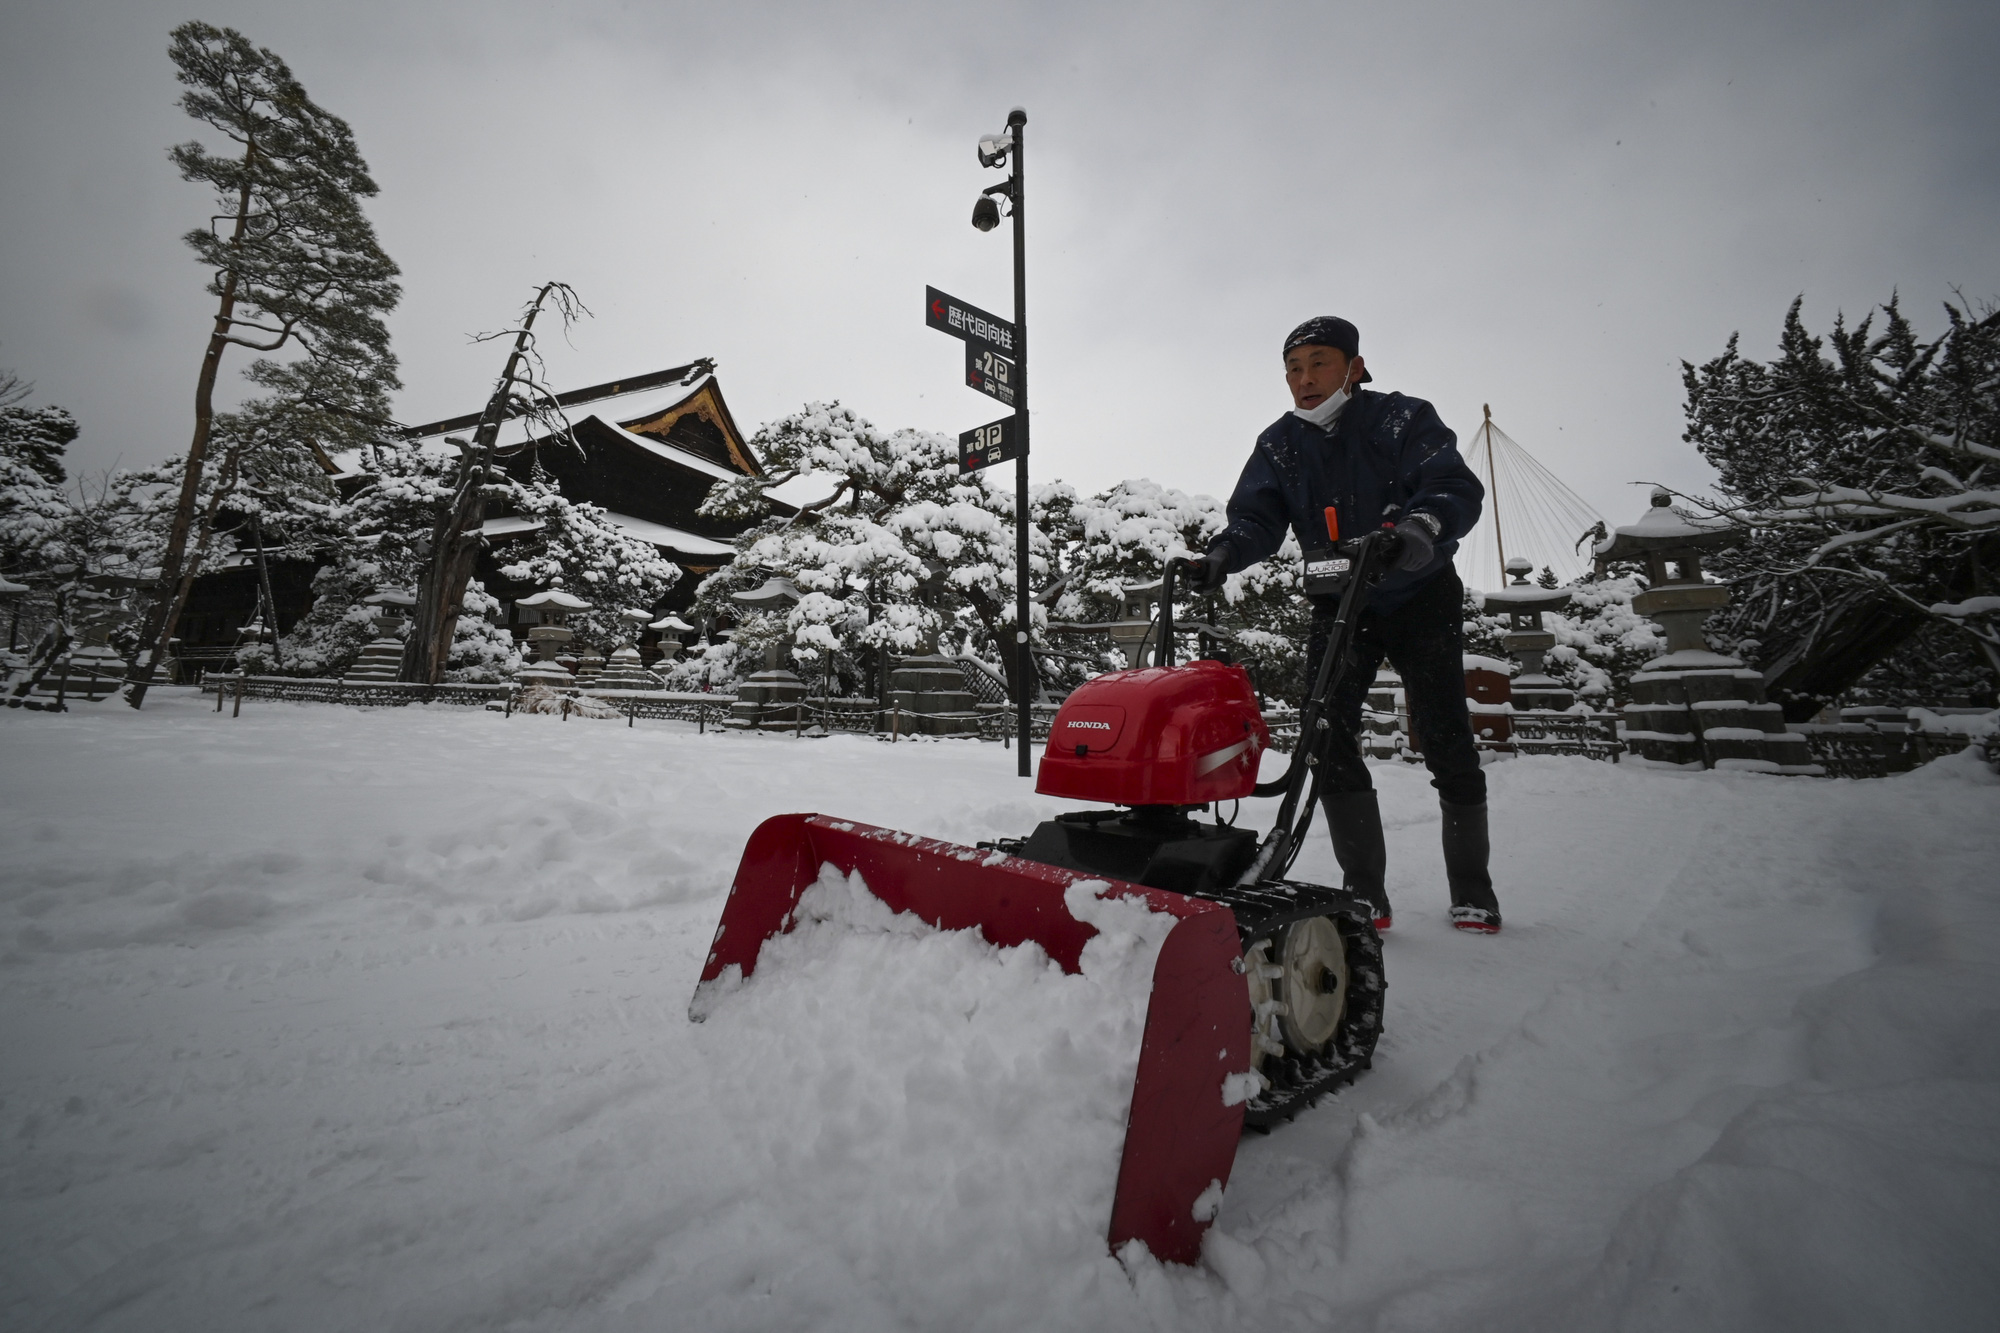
(1312, 372)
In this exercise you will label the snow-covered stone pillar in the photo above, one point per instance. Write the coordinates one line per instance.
(1527, 639)
(1693, 707)
(771, 699)
(549, 638)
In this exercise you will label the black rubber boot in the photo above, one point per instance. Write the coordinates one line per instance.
(1354, 819)
(1466, 850)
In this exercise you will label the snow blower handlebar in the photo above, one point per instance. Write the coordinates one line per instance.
(1359, 566)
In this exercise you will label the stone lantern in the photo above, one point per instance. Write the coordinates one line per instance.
(1527, 640)
(1134, 626)
(1692, 706)
(382, 658)
(549, 638)
(770, 698)
(673, 636)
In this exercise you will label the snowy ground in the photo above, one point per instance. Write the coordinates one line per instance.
(326, 1018)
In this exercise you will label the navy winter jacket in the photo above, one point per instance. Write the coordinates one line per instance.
(1387, 456)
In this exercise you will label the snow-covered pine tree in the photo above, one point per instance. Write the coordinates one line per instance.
(901, 555)
(1482, 629)
(294, 265)
(1865, 481)
(1126, 534)
(38, 520)
(36, 515)
(381, 526)
(38, 437)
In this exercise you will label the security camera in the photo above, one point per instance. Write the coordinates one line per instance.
(993, 149)
(986, 212)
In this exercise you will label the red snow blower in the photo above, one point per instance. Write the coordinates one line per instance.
(1267, 993)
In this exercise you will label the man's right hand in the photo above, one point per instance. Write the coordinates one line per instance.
(1205, 573)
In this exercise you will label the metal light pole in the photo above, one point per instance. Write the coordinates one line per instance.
(1024, 672)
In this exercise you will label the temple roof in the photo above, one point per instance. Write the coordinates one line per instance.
(677, 415)
(678, 540)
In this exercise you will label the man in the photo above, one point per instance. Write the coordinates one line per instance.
(1375, 458)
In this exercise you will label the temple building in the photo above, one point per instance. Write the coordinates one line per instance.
(647, 449)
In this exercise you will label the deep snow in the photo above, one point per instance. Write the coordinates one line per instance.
(328, 1018)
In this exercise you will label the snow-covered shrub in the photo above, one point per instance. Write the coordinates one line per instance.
(899, 555)
(1601, 642)
(482, 651)
(707, 666)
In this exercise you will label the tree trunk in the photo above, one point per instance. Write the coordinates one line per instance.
(163, 617)
(1860, 628)
(1011, 652)
(455, 536)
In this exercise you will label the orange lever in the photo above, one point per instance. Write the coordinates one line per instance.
(1332, 524)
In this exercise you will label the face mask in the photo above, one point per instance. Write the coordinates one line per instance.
(1329, 408)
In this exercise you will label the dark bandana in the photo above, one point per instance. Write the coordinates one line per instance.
(1327, 331)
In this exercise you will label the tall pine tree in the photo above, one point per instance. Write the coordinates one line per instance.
(294, 266)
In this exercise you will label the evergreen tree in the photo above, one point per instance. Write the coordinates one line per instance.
(900, 556)
(1601, 642)
(1864, 482)
(37, 518)
(38, 436)
(294, 266)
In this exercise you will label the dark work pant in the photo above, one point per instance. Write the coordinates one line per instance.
(1423, 640)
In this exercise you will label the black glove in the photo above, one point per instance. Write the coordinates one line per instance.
(1415, 544)
(1205, 573)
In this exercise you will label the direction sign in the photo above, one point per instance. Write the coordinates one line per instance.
(987, 445)
(989, 372)
(948, 314)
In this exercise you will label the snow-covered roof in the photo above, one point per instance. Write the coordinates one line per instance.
(654, 534)
(669, 538)
(515, 432)
(774, 591)
(1477, 662)
(510, 526)
(634, 406)
(555, 597)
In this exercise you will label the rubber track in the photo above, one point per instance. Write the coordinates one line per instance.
(1299, 1081)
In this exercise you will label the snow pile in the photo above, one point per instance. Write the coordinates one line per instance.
(908, 1099)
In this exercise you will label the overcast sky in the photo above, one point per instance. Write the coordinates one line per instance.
(1545, 207)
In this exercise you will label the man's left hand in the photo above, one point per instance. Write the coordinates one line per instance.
(1416, 542)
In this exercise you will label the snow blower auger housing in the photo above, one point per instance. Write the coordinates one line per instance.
(1267, 992)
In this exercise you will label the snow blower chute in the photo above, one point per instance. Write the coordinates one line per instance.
(1267, 992)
